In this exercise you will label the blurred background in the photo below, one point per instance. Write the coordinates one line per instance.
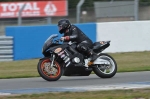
(88, 11)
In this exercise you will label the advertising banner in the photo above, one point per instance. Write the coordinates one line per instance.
(34, 9)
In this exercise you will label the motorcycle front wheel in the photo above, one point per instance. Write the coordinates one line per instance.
(106, 70)
(48, 72)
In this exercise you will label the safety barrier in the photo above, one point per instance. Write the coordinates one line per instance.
(6, 48)
(28, 40)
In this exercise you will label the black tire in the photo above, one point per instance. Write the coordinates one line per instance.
(97, 70)
(43, 74)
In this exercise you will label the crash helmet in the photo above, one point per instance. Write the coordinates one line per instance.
(63, 25)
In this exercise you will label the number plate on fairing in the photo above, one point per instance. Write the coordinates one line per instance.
(65, 56)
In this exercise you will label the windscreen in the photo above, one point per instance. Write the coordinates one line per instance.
(49, 41)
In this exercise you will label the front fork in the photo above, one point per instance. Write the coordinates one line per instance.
(52, 58)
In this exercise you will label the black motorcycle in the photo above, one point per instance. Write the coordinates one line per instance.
(62, 59)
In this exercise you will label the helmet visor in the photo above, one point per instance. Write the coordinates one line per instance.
(60, 27)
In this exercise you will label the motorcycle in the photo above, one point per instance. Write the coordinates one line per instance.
(63, 59)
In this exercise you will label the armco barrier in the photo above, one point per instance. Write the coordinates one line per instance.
(6, 48)
(28, 40)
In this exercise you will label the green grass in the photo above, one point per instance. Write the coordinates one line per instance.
(115, 94)
(132, 61)
(19, 69)
(127, 62)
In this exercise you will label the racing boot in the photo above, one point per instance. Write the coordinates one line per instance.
(93, 56)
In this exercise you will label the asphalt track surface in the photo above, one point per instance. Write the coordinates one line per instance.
(77, 83)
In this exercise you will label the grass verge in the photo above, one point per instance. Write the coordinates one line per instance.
(127, 62)
(114, 94)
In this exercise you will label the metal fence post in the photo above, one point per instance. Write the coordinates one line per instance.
(136, 10)
(78, 10)
(49, 20)
(20, 15)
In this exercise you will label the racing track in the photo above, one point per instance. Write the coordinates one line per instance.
(84, 83)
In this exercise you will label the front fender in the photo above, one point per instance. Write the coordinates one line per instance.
(59, 60)
(44, 58)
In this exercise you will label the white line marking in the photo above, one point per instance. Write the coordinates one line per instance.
(2, 94)
(110, 87)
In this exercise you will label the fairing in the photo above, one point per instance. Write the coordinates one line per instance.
(48, 42)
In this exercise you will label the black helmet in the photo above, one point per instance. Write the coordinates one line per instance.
(63, 25)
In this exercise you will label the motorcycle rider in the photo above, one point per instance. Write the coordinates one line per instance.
(73, 33)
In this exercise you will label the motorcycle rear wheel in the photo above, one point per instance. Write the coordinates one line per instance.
(48, 73)
(106, 71)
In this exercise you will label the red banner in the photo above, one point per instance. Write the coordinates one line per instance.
(34, 9)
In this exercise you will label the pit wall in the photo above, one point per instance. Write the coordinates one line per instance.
(29, 40)
(125, 36)
(129, 36)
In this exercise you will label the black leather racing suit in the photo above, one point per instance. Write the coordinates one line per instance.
(84, 44)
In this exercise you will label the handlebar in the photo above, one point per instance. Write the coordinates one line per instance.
(58, 40)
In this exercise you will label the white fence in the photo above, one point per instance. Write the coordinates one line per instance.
(125, 36)
(6, 48)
